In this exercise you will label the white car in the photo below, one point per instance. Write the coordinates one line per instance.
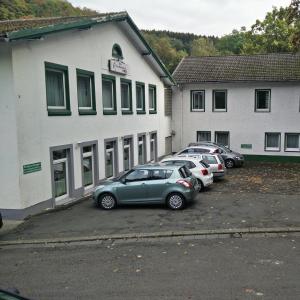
(199, 169)
(215, 161)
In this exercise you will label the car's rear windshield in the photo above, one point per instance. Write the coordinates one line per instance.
(184, 172)
(204, 164)
(210, 159)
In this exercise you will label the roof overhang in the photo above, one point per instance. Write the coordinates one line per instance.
(122, 19)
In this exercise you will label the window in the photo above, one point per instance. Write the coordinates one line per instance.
(138, 175)
(161, 174)
(142, 149)
(220, 100)
(203, 136)
(152, 99)
(197, 100)
(126, 96)
(60, 174)
(127, 154)
(262, 100)
(222, 137)
(109, 95)
(272, 141)
(140, 98)
(292, 142)
(57, 90)
(87, 161)
(117, 51)
(210, 159)
(153, 147)
(86, 92)
(111, 168)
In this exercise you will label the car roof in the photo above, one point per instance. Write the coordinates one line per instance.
(155, 166)
(202, 146)
(183, 157)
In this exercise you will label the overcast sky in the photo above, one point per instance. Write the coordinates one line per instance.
(207, 17)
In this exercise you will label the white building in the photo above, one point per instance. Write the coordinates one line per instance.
(82, 99)
(250, 103)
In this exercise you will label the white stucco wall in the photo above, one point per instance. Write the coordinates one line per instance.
(89, 50)
(244, 124)
(9, 170)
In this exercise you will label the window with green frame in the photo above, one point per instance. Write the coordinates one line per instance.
(126, 96)
(57, 90)
(109, 100)
(86, 92)
(152, 99)
(140, 98)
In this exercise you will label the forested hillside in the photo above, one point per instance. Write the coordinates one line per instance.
(278, 32)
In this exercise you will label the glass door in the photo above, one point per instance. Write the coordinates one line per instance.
(110, 160)
(127, 154)
(61, 177)
(88, 170)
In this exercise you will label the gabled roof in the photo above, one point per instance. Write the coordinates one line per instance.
(275, 67)
(28, 29)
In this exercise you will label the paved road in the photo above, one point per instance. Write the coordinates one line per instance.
(212, 210)
(252, 268)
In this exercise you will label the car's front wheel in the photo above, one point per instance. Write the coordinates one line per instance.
(107, 201)
(229, 163)
(175, 201)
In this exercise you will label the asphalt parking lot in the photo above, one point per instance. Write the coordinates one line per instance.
(258, 195)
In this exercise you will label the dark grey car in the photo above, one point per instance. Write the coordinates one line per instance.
(231, 158)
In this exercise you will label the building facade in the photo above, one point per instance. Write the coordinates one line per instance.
(249, 103)
(82, 99)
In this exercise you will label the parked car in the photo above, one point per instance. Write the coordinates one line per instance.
(199, 169)
(11, 295)
(215, 161)
(231, 158)
(199, 149)
(149, 184)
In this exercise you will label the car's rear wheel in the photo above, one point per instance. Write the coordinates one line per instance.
(201, 185)
(107, 201)
(175, 201)
(229, 163)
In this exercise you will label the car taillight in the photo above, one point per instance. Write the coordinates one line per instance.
(220, 167)
(184, 183)
(204, 172)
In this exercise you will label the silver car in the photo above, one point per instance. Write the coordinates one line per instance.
(231, 158)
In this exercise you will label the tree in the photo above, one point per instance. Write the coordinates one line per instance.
(203, 47)
(276, 33)
(232, 43)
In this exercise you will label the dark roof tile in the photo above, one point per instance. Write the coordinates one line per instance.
(263, 67)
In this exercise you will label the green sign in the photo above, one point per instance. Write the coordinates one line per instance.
(31, 168)
(246, 146)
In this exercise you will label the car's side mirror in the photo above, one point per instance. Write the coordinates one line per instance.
(123, 180)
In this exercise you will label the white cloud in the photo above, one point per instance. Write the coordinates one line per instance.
(207, 17)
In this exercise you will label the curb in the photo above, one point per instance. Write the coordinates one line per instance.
(232, 232)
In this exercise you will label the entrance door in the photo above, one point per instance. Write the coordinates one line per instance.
(61, 175)
(127, 154)
(110, 159)
(153, 146)
(88, 166)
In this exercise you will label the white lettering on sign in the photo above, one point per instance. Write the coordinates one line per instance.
(117, 66)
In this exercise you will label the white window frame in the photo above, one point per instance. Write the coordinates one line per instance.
(56, 162)
(152, 100)
(214, 101)
(256, 101)
(193, 100)
(112, 108)
(222, 132)
(86, 155)
(91, 93)
(128, 95)
(64, 89)
(127, 146)
(143, 143)
(273, 149)
(285, 142)
(143, 97)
